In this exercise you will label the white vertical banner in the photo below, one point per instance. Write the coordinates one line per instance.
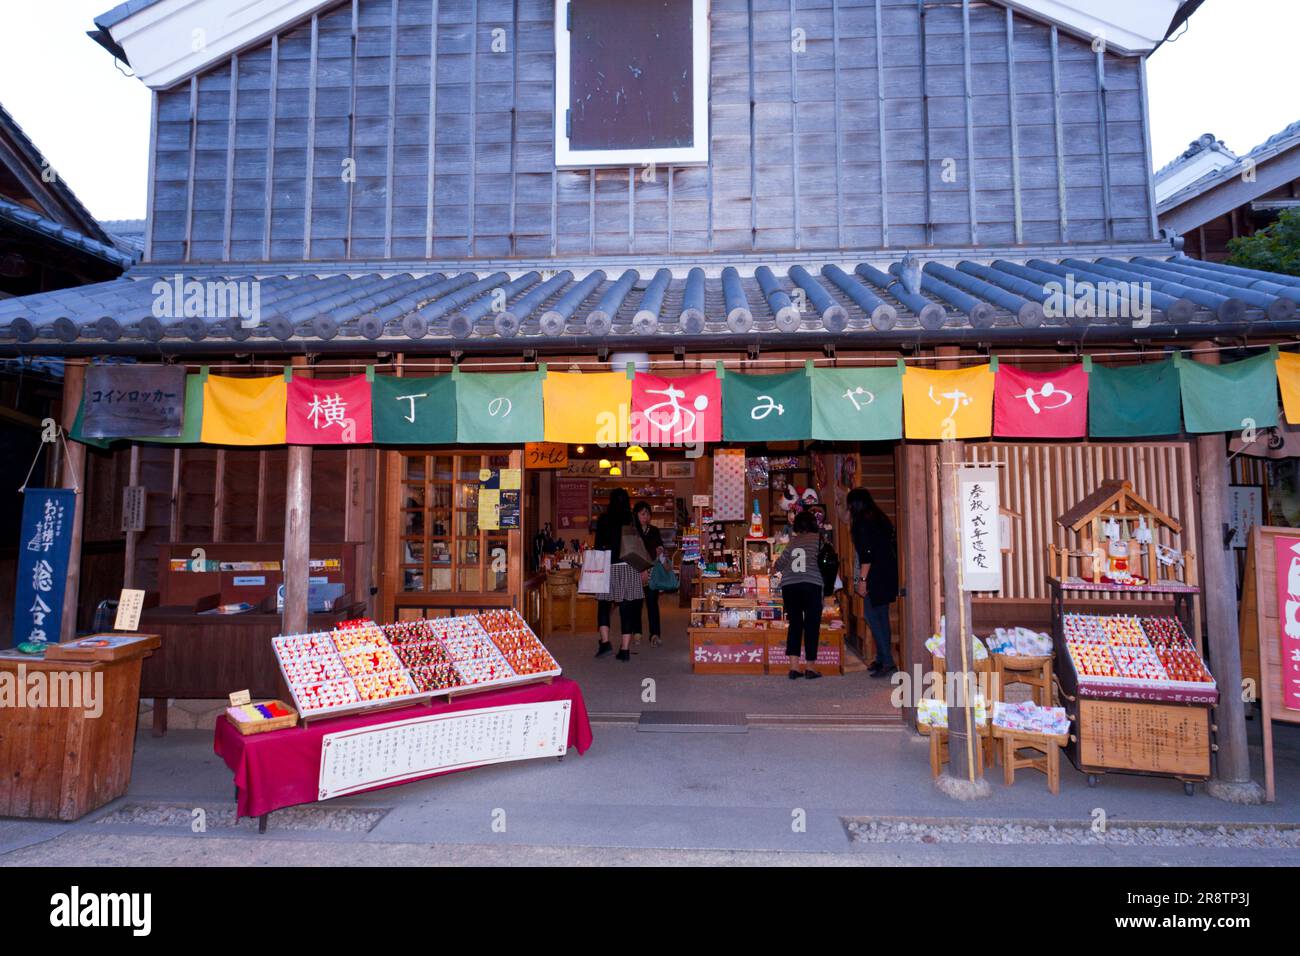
(981, 545)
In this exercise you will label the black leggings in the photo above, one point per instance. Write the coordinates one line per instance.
(803, 618)
(629, 615)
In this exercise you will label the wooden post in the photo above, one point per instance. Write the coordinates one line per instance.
(918, 621)
(963, 746)
(297, 536)
(74, 476)
(1219, 589)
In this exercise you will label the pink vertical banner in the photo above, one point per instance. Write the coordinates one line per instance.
(729, 484)
(1287, 557)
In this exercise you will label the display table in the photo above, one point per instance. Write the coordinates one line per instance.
(69, 752)
(283, 768)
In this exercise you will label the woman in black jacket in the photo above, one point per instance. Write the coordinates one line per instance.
(654, 546)
(626, 586)
(877, 578)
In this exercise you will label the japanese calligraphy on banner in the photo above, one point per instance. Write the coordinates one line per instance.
(729, 484)
(1287, 566)
(981, 549)
(948, 404)
(243, 411)
(413, 411)
(44, 542)
(1041, 404)
(586, 407)
(676, 411)
(546, 454)
(762, 408)
(123, 401)
(499, 407)
(331, 411)
(857, 404)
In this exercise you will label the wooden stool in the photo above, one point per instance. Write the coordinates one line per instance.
(939, 754)
(1046, 746)
(1034, 671)
(561, 586)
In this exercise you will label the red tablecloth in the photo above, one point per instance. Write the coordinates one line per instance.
(282, 768)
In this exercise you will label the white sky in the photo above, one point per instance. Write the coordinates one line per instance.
(1232, 73)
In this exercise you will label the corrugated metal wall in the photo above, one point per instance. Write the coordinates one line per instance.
(1042, 481)
(825, 148)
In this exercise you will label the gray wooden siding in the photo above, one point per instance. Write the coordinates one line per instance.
(900, 124)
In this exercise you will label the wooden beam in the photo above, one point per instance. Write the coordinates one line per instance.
(132, 537)
(1219, 587)
(297, 534)
(74, 476)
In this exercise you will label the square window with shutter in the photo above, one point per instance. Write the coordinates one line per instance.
(631, 82)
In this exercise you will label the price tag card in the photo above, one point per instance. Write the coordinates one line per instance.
(239, 698)
(129, 606)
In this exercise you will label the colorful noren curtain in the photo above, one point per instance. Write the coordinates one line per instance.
(1134, 401)
(587, 407)
(413, 411)
(677, 410)
(948, 403)
(1040, 404)
(244, 411)
(1228, 398)
(331, 411)
(499, 408)
(857, 404)
(763, 408)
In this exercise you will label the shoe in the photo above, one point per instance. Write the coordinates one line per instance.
(636, 640)
(885, 671)
(622, 655)
(656, 640)
(795, 675)
(811, 674)
(875, 668)
(603, 648)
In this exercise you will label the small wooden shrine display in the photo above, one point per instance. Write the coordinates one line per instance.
(1117, 531)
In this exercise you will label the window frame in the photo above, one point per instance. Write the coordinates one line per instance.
(697, 154)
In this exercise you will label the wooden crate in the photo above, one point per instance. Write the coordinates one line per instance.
(1131, 736)
(728, 650)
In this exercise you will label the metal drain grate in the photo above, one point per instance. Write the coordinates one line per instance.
(693, 722)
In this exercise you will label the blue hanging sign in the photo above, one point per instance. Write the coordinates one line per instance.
(43, 547)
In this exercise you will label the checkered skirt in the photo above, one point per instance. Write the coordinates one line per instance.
(624, 584)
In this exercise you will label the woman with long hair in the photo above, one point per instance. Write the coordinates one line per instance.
(654, 546)
(877, 579)
(626, 585)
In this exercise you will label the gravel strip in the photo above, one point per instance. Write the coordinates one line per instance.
(1227, 836)
(222, 817)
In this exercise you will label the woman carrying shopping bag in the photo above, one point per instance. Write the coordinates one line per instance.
(654, 546)
(628, 561)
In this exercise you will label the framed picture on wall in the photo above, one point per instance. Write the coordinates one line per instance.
(677, 469)
(642, 469)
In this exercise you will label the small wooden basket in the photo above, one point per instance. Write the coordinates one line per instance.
(247, 727)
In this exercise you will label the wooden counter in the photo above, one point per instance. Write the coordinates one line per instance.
(60, 762)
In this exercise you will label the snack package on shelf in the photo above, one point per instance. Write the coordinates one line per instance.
(1019, 642)
(1029, 717)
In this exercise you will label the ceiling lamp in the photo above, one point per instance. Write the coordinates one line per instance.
(637, 453)
(604, 463)
(615, 472)
(580, 449)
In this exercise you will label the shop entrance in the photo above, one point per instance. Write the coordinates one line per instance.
(723, 636)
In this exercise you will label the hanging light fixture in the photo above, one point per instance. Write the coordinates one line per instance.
(637, 453)
(604, 463)
(580, 449)
(615, 472)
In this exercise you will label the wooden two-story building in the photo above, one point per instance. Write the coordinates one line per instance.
(492, 184)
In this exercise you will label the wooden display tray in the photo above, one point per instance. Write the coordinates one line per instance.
(103, 647)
